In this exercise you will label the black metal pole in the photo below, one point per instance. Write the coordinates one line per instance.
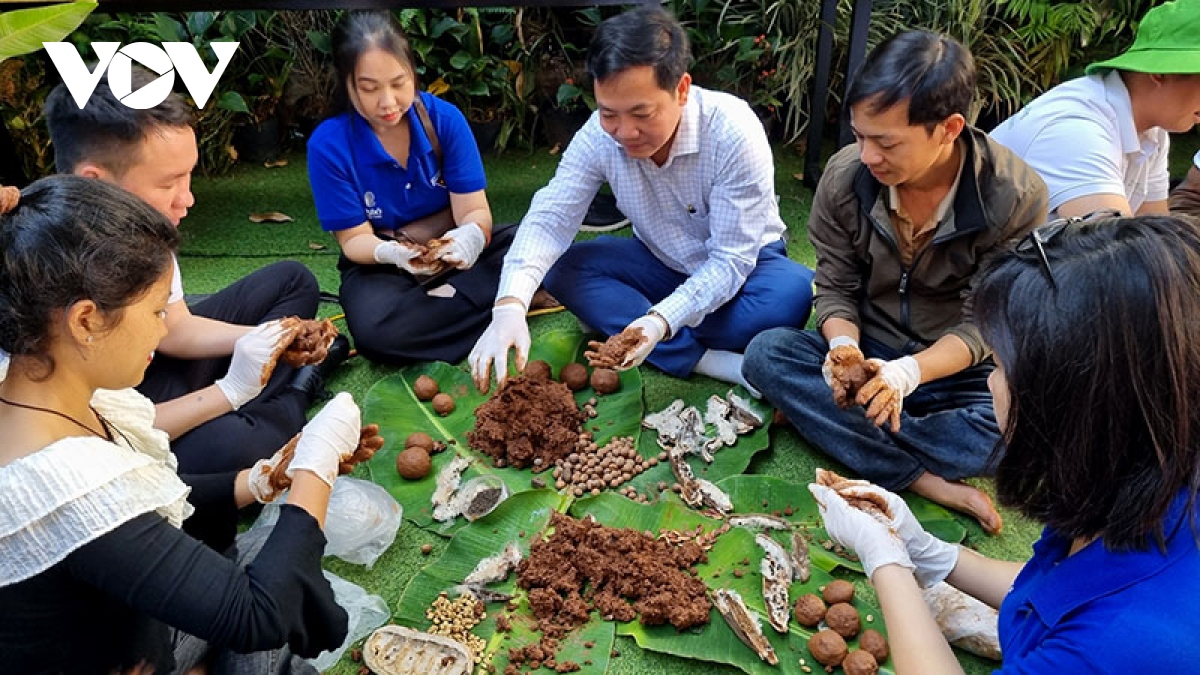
(860, 24)
(820, 93)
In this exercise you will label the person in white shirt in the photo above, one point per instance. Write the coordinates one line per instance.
(706, 269)
(1101, 141)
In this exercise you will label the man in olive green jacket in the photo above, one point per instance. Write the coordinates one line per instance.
(902, 223)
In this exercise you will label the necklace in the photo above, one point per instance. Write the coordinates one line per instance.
(103, 423)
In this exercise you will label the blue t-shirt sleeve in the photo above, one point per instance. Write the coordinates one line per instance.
(462, 166)
(331, 178)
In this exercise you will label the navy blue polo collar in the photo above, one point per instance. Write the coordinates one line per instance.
(1095, 572)
(369, 148)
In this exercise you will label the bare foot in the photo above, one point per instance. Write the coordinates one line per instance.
(960, 497)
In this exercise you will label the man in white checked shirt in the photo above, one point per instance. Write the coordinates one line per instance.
(706, 269)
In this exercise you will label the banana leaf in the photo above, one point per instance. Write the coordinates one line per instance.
(765, 494)
(23, 31)
(520, 518)
(734, 550)
(392, 404)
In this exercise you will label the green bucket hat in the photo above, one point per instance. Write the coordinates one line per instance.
(1167, 42)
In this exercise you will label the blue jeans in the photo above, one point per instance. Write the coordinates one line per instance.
(610, 281)
(947, 426)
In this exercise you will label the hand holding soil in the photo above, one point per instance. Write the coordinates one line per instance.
(310, 341)
(615, 351)
(369, 442)
(850, 371)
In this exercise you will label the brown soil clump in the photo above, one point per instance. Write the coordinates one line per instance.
(413, 463)
(538, 655)
(426, 388)
(574, 375)
(809, 610)
(621, 573)
(860, 662)
(613, 351)
(538, 370)
(843, 619)
(850, 371)
(443, 404)
(310, 343)
(827, 647)
(873, 641)
(419, 439)
(838, 591)
(605, 380)
(527, 422)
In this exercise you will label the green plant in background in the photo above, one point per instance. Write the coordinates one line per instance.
(23, 77)
(465, 57)
(1062, 37)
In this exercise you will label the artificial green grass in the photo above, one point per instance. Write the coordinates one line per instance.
(221, 245)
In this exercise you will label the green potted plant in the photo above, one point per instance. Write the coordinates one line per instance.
(23, 85)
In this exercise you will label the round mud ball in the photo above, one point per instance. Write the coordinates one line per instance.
(843, 619)
(827, 647)
(419, 439)
(605, 380)
(574, 375)
(859, 662)
(443, 404)
(838, 591)
(413, 463)
(537, 370)
(426, 388)
(873, 641)
(809, 610)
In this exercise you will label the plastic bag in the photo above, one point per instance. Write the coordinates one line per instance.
(366, 613)
(965, 622)
(361, 522)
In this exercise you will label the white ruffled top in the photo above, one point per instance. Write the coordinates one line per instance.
(78, 489)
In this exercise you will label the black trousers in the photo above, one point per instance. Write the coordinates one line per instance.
(237, 439)
(395, 321)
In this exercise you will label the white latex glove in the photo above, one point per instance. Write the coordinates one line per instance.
(268, 477)
(466, 243)
(654, 327)
(328, 439)
(874, 543)
(402, 255)
(883, 396)
(508, 330)
(251, 354)
(839, 341)
(934, 558)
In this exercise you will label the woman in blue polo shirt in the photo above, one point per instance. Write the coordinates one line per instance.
(397, 168)
(1093, 328)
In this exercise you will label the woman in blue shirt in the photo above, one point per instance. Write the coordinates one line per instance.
(400, 167)
(1093, 329)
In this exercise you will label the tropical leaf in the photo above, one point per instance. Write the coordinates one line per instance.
(23, 31)
(520, 519)
(392, 404)
(734, 553)
(793, 502)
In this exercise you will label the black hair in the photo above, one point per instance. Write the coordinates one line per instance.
(69, 239)
(1103, 373)
(359, 32)
(106, 132)
(647, 36)
(933, 72)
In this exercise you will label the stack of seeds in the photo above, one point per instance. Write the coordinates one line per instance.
(455, 619)
(591, 468)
